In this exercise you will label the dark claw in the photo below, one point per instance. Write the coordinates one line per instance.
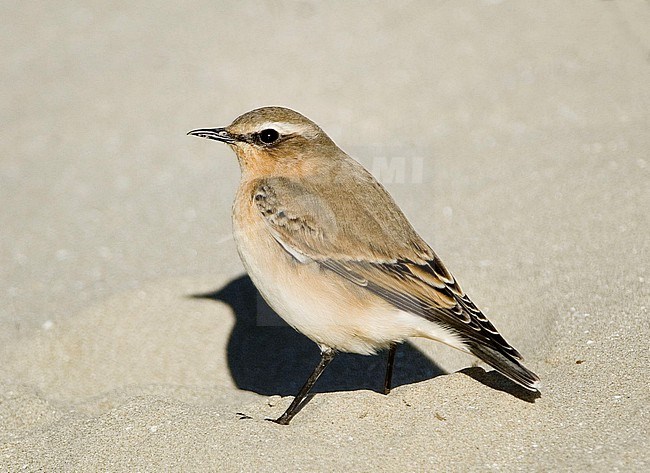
(279, 421)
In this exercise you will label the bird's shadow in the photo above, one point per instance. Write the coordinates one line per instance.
(495, 380)
(268, 357)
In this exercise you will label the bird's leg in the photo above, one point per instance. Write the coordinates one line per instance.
(389, 368)
(326, 356)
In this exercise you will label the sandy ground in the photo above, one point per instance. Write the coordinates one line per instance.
(515, 136)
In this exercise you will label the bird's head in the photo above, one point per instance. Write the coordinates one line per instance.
(275, 140)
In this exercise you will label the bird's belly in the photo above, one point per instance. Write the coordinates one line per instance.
(328, 309)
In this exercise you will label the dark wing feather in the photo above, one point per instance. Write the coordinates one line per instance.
(434, 295)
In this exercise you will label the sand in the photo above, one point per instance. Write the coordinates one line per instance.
(514, 135)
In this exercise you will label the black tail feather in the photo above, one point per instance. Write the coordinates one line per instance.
(506, 365)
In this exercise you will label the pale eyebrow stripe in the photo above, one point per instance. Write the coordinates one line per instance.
(286, 128)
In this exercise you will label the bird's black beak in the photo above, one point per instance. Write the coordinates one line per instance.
(219, 134)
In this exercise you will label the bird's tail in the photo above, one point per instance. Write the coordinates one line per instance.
(506, 365)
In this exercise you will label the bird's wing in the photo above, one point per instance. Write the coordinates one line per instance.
(311, 228)
(340, 217)
(427, 290)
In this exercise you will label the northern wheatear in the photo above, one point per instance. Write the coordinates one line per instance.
(335, 257)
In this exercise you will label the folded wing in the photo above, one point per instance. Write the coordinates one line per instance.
(307, 225)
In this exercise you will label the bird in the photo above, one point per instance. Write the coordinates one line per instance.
(332, 254)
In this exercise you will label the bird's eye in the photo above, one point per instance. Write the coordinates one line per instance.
(268, 136)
